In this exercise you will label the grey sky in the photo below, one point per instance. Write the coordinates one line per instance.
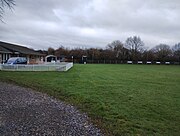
(91, 23)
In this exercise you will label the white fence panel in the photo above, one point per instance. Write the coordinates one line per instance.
(37, 67)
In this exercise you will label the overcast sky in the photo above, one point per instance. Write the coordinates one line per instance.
(40, 24)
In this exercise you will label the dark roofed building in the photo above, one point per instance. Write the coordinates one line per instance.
(4, 50)
(4, 54)
(8, 50)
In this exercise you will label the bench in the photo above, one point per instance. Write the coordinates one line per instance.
(140, 62)
(129, 62)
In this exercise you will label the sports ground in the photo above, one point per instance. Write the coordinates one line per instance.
(121, 99)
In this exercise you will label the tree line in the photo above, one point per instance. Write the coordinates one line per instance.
(118, 52)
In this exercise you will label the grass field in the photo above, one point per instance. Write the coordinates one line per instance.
(120, 99)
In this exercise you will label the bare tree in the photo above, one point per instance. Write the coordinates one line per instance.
(51, 51)
(135, 45)
(93, 54)
(5, 4)
(176, 52)
(163, 52)
(176, 47)
(116, 47)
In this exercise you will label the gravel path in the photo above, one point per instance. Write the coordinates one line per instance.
(26, 112)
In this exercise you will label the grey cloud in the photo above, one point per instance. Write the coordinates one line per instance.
(91, 23)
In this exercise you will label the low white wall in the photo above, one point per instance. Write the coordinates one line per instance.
(37, 67)
(68, 66)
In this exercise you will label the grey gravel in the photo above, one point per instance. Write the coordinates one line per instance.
(24, 112)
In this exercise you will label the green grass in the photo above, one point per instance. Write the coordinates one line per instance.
(120, 99)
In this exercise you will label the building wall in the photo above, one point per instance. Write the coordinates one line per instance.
(0, 58)
(4, 57)
(33, 59)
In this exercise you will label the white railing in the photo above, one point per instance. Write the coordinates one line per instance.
(68, 66)
(37, 67)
